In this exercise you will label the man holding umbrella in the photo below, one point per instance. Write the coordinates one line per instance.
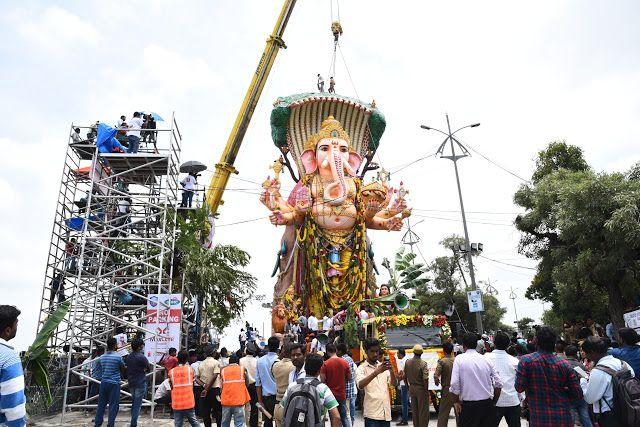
(188, 185)
(190, 182)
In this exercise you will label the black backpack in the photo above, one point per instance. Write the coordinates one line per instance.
(626, 395)
(303, 405)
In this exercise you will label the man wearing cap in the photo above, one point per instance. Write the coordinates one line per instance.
(416, 372)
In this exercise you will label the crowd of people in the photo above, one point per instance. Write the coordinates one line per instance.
(542, 378)
(140, 127)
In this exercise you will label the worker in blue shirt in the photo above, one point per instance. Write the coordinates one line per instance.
(265, 382)
(112, 370)
(630, 350)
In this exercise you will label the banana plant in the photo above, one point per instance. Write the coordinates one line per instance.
(406, 273)
(37, 356)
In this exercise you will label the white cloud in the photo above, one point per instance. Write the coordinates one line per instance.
(56, 29)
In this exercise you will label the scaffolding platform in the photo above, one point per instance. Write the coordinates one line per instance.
(84, 151)
(113, 239)
(139, 164)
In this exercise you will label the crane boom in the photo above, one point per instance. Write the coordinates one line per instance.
(225, 166)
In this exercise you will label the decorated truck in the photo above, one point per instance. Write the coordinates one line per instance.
(404, 331)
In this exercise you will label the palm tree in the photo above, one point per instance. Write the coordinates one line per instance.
(214, 277)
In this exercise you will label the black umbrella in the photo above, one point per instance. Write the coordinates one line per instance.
(192, 167)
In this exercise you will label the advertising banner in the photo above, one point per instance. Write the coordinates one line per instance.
(475, 301)
(164, 318)
(632, 320)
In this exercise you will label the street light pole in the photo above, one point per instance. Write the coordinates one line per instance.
(454, 158)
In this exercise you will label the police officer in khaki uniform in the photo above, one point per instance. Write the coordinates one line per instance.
(443, 376)
(417, 375)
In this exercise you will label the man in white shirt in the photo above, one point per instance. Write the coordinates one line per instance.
(249, 362)
(598, 389)
(320, 83)
(327, 323)
(317, 346)
(404, 390)
(296, 330)
(312, 323)
(162, 394)
(121, 121)
(75, 136)
(475, 385)
(508, 405)
(188, 185)
(133, 134)
(122, 215)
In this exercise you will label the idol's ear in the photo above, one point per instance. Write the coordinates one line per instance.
(354, 163)
(309, 161)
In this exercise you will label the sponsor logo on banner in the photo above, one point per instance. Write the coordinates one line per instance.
(164, 317)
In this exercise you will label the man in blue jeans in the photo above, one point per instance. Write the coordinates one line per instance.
(112, 368)
(404, 390)
(351, 390)
(133, 134)
(137, 369)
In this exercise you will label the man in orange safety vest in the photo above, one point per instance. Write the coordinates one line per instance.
(234, 392)
(182, 400)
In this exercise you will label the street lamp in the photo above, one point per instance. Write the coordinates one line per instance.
(454, 158)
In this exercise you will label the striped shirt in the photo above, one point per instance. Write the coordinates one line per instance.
(351, 384)
(327, 400)
(110, 363)
(12, 399)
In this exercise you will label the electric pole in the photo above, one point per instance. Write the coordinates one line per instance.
(513, 296)
(454, 158)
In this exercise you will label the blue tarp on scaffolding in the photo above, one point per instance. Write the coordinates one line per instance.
(106, 140)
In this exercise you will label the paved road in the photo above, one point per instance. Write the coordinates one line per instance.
(85, 419)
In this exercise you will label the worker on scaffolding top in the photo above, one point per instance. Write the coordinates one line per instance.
(133, 134)
(332, 85)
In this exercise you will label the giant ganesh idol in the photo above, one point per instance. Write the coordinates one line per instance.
(325, 260)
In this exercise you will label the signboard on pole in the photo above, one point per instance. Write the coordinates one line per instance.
(632, 320)
(164, 318)
(475, 301)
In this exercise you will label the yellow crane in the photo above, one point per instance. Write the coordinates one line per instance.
(225, 167)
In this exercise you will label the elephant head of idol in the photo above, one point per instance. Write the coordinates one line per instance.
(329, 153)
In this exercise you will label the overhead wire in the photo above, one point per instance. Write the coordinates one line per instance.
(457, 220)
(403, 167)
(509, 264)
(497, 164)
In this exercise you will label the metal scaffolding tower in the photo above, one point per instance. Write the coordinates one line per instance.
(112, 247)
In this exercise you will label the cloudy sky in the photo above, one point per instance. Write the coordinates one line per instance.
(529, 73)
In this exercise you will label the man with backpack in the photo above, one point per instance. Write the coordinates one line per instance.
(306, 401)
(335, 372)
(609, 387)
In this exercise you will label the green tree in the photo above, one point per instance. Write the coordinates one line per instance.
(525, 324)
(449, 288)
(583, 228)
(405, 272)
(215, 277)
